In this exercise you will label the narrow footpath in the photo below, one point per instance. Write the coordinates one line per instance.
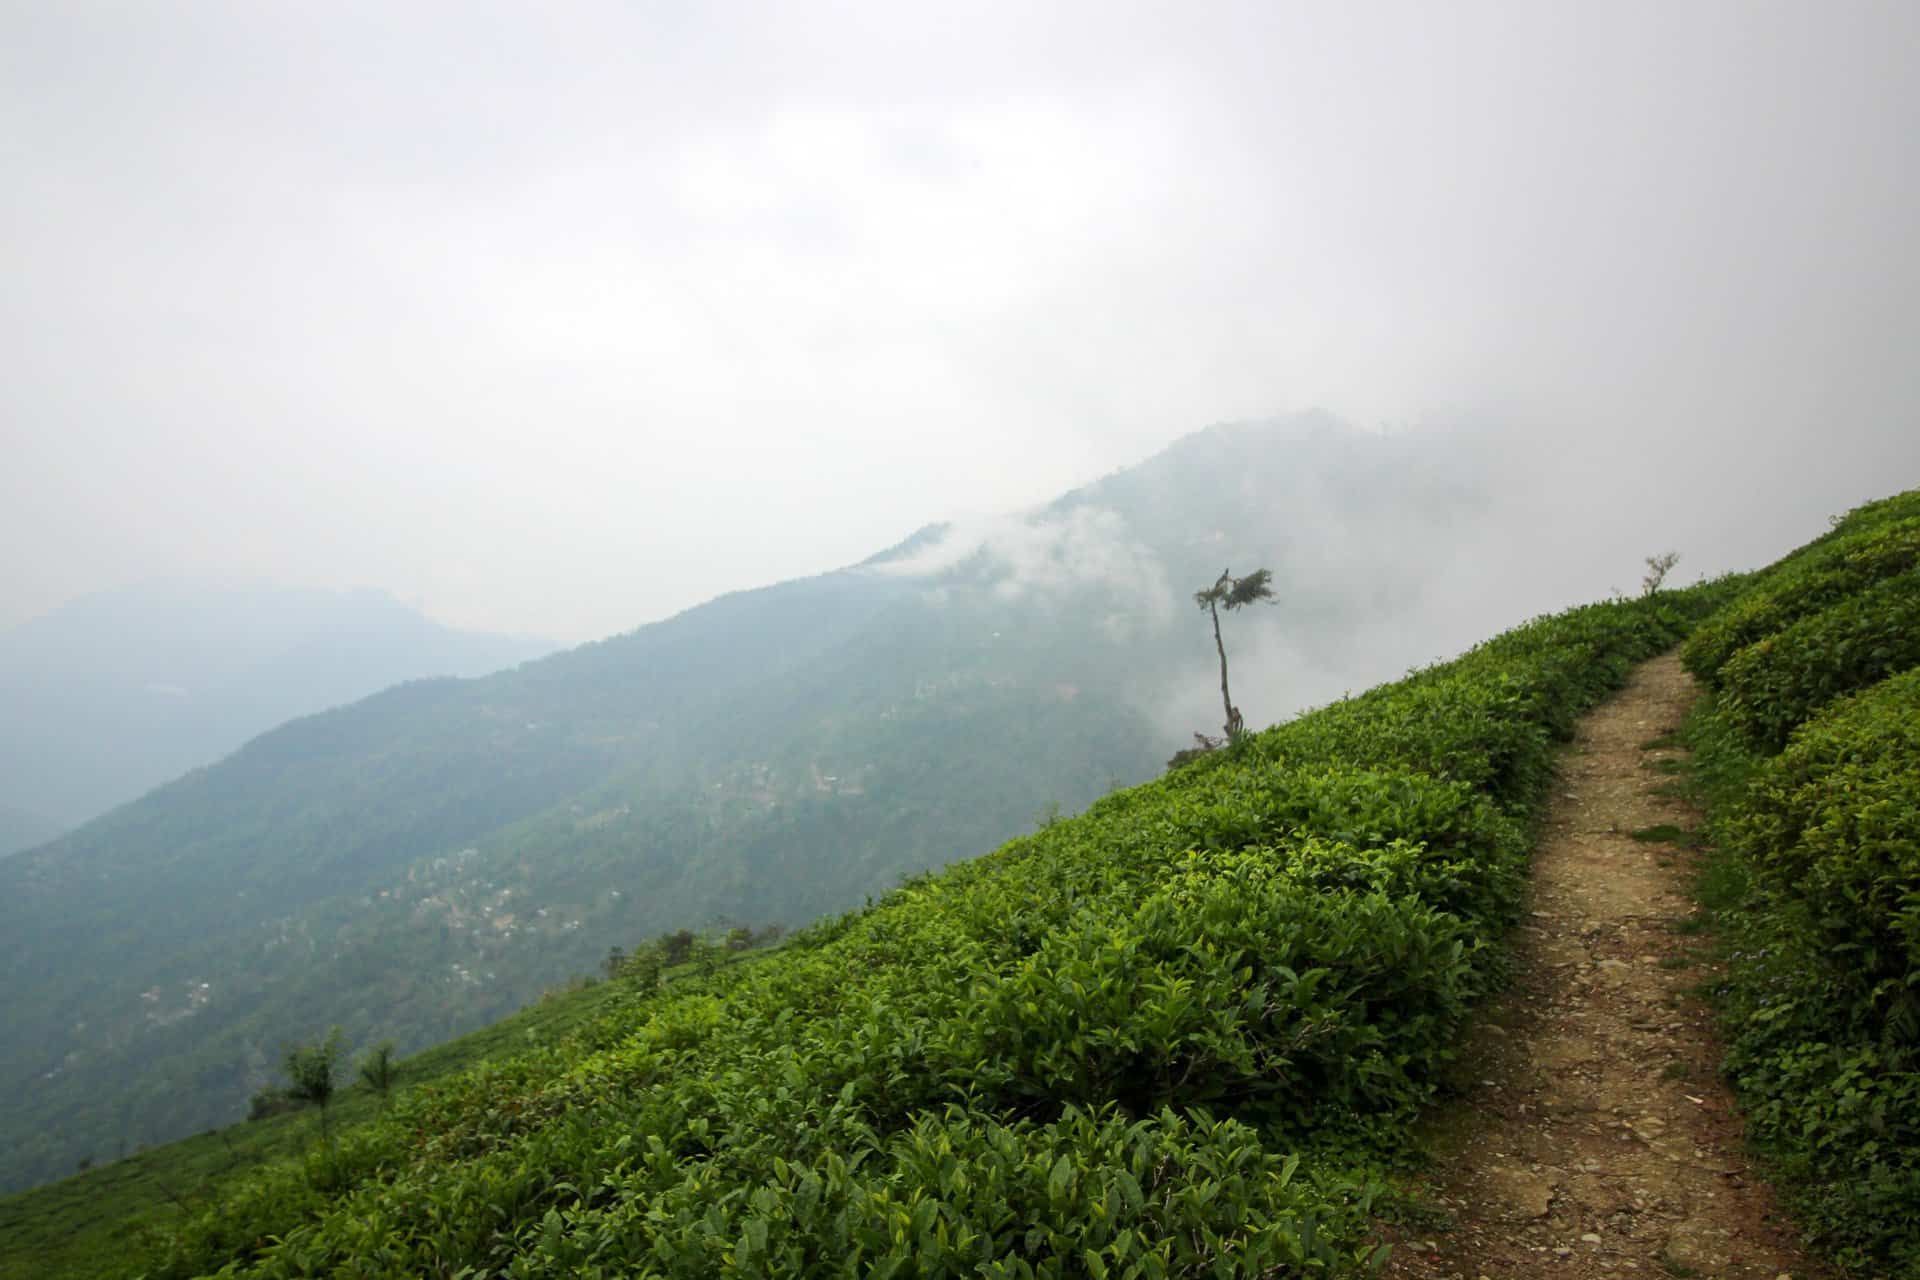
(1593, 1136)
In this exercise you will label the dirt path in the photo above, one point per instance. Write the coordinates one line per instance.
(1594, 1137)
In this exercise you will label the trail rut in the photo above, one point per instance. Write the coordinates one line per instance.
(1593, 1136)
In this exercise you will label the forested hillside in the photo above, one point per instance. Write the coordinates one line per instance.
(428, 859)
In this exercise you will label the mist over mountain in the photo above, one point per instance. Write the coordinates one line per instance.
(431, 857)
(120, 691)
(22, 829)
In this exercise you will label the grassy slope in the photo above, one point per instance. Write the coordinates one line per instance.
(89, 1224)
(1256, 961)
(1286, 936)
(1807, 756)
(695, 750)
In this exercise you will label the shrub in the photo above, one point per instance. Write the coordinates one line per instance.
(954, 1195)
(1818, 875)
(271, 1102)
(1834, 823)
(978, 1073)
(1811, 580)
(1772, 686)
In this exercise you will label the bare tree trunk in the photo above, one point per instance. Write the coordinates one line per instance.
(1225, 700)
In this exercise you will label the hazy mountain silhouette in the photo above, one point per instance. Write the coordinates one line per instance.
(115, 693)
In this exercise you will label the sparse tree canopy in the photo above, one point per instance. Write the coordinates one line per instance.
(379, 1069)
(1657, 569)
(311, 1073)
(1230, 593)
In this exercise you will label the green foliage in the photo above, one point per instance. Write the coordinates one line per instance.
(1202, 744)
(271, 1102)
(360, 867)
(82, 1226)
(418, 864)
(1232, 593)
(1815, 879)
(1807, 582)
(379, 1070)
(1833, 823)
(311, 1069)
(1163, 1037)
(1092, 1193)
(1774, 684)
(642, 969)
(677, 947)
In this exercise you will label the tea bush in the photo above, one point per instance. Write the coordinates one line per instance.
(1774, 684)
(1834, 823)
(954, 1195)
(1866, 548)
(1162, 1038)
(1810, 754)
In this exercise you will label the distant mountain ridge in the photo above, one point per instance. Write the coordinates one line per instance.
(117, 692)
(422, 861)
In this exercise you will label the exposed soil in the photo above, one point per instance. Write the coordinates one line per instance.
(1593, 1136)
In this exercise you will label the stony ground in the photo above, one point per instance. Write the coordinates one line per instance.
(1593, 1136)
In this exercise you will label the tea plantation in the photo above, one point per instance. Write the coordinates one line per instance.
(1184, 1033)
(1171, 1036)
(1809, 757)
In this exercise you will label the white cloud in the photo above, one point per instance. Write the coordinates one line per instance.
(1085, 549)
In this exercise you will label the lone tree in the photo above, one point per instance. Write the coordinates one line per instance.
(379, 1069)
(311, 1073)
(1230, 593)
(1657, 569)
(676, 947)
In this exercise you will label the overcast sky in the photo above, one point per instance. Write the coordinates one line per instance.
(558, 318)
